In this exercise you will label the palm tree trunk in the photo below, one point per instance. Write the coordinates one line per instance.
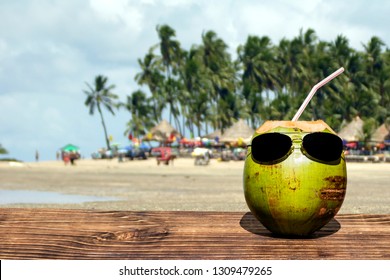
(177, 124)
(104, 127)
(183, 124)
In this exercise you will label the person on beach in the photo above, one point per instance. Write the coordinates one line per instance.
(72, 157)
(65, 158)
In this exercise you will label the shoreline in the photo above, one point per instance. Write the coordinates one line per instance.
(142, 185)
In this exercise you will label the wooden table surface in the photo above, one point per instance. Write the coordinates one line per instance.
(87, 234)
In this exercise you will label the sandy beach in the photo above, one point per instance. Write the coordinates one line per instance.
(143, 185)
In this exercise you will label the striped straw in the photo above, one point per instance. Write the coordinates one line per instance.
(313, 91)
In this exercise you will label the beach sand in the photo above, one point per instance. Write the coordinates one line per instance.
(142, 185)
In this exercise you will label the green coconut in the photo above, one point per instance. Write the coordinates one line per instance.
(297, 194)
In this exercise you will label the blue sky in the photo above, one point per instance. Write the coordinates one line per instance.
(50, 48)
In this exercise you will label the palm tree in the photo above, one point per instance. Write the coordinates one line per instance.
(151, 75)
(171, 54)
(385, 94)
(340, 50)
(257, 59)
(194, 98)
(267, 81)
(373, 55)
(305, 45)
(377, 74)
(220, 70)
(340, 103)
(368, 128)
(100, 95)
(3, 151)
(289, 66)
(140, 109)
(322, 65)
(280, 107)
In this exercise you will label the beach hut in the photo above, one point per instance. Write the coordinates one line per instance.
(163, 132)
(239, 131)
(381, 137)
(214, 137)
(381, 134)
(353, 131)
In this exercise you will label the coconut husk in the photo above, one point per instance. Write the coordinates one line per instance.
(306, 126)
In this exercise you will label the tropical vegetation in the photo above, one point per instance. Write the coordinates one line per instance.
(98, 95)
(3, 151)
(206, 88)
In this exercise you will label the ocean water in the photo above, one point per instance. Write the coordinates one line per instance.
(42, 197)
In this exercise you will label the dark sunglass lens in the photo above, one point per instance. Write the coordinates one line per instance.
(323, 146)
(270, 147)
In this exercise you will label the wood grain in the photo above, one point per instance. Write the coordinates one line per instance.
(87, 234)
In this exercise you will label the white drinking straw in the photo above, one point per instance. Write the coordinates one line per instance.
(313, 91)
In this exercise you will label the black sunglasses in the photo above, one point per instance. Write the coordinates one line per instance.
(271, 148)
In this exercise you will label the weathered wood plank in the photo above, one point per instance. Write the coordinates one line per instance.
(83, 234)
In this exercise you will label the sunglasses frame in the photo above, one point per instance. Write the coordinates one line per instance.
(297, 141)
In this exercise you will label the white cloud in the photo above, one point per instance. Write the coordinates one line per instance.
(119, 11)
(3, 49)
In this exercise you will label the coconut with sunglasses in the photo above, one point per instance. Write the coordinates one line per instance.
(295, 176)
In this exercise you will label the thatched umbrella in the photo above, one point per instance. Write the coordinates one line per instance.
(213, 135)
(238, 130)
(353, 131)
(163, 131)
(381, 134)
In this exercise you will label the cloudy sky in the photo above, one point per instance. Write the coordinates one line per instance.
(50, 48)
